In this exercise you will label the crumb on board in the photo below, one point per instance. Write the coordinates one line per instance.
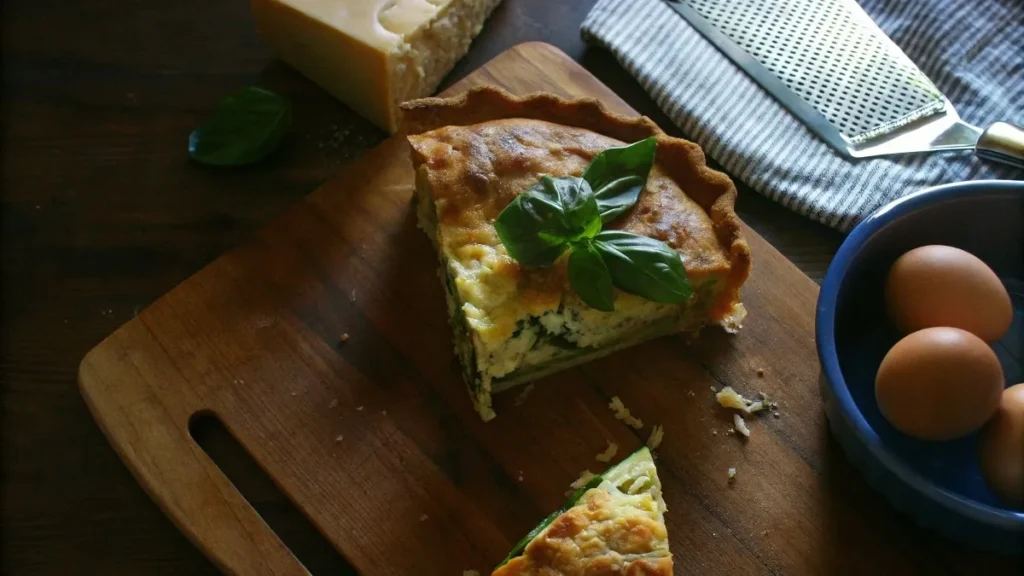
(333, 404)
(519, 476)
(760, 372)
(295, 393)
(585, 476)
(608, 454)
(690, 393)
(424, 518)
(657, 433)
(740, 426)
(339, 438)
(524, 394)
(352, 297)
(343, 338)
(359, 408)
(383, 412)
(714, 432)
(732, 474)
(776, 414)
(729, 398)
(622, 413)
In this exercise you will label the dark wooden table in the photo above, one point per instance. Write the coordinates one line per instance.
(103, 213)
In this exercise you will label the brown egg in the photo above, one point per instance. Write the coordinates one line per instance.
(939, 384)
(945, 286)
(1002, 448)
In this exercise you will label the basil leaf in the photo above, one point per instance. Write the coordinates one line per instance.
(589, 277)
(536, 227)
(618, 175)
(579, 206)
(644, 266)
(245, 127)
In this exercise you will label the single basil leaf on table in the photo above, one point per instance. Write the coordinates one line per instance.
(644, 266)
(618, 175)
(589, 276)
(537, 226)
(245, 127)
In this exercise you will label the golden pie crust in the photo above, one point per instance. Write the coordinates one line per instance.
(701, 223)
(597, 536)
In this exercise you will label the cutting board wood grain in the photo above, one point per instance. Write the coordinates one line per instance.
(375, 440)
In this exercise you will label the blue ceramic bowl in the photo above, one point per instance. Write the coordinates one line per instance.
(938, 484)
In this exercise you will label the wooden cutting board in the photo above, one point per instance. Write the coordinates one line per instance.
(374, 439)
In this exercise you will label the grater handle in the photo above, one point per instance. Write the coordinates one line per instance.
(1002, 142)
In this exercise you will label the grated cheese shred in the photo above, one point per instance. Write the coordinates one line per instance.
(622, 413)
(608, 454)
(657, 433)
(740, 426)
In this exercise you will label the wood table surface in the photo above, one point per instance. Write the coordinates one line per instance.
(103, 213)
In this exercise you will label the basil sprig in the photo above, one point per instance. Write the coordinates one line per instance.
(245, 127)
(537, 226)
(559, 214)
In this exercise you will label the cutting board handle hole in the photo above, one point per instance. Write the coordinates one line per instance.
(256, 486)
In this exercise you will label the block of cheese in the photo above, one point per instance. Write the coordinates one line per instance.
(372, 54)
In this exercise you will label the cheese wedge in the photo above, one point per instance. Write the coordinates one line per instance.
(372, 54)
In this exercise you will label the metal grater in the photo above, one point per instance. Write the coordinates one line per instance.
(831, 66)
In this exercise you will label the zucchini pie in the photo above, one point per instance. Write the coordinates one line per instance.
(512, 323)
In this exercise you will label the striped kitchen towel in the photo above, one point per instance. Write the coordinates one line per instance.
(972, 49)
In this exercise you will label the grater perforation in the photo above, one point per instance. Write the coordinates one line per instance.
(832, 56)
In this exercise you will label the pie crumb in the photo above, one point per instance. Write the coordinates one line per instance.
(339, 438)
(524, 394)
(585, 476)
(608, 454)
(729, 398)
(344, 338)
(359, 408)
(424, 518)
(333, 404)
(519, 477)
(760, 373)
(657, 433)
(732, 474)
(740, 426)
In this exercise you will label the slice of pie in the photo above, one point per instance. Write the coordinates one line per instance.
(513, 323)
(613, 525)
